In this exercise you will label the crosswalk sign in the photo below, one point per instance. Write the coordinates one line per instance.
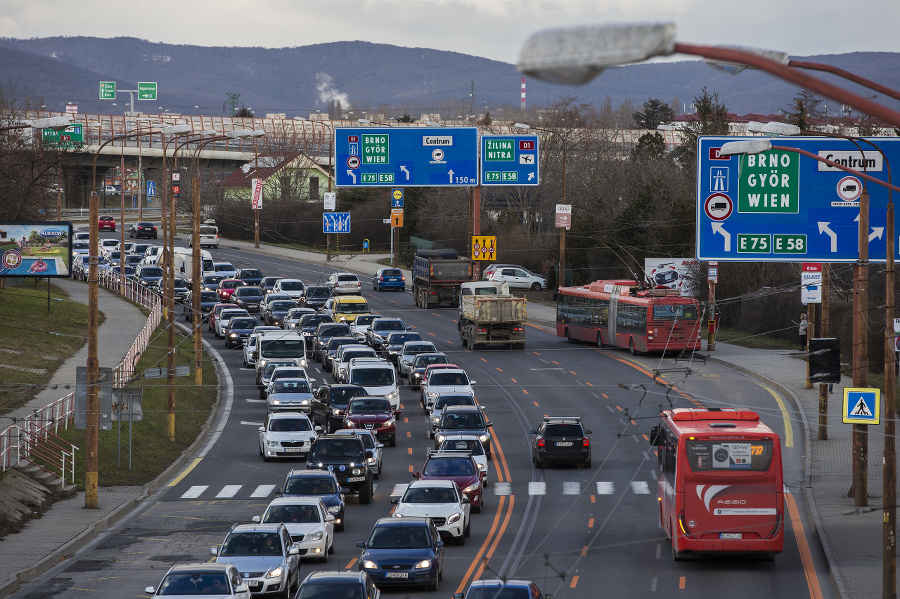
(861, 405)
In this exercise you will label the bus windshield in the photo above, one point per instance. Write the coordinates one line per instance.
(675, 312)
(282, 348)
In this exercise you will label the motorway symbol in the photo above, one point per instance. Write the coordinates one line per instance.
(718, 206)
(861, 405)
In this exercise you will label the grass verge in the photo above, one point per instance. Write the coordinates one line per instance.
(756, 341)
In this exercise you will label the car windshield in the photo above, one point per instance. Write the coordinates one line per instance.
(429, 495)
(316, 589)
(194, 583)
(317, 292)
(352, 307)
(471, 445)
(283, 386)
(401, 338)
(151, 272)
(208, 296)
(292, 285)
(182, 284)
(333, 331)
(342, 395)
(417, 349)
(230, 284)
(251, 273)
(399, 537)
(422, 361)
(289, 425)
(267, 371)
(448, 378)
(365, 320)
(336, 448)
(360, 353)
(449, 467)
(251, 543)
(282, 348)
(498, 592)
(563, 430)
(369, 406)
(282, 305)
(313, 320)
(389, 325)
(311, 486)
(213, 279)
(248, 292)
(244, 323)
(391, 273)
(296, 514)
(296, 312)
(224, 267)
(372, 377)
(289, 373)
(453, 400)
(462, 421)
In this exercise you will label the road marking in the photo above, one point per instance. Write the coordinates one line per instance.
(245, 423)
(502, 488)
(513, 380)
(573, 372)
(640, 487)
(590, 523)
(411, 468)
(584, 551)
(408, 435)
(409, 450)
(499, 370)
(574, 582)
(262, 491)
(809, 568)
(534, 402)
(589, 384)
(605, 396)
(432, 334)
(405, 419)
(475, 562)
(572, 488)
(593, 499)
(483, 360)
(620, 408)
(187, 471)
(605, 488)
(525, 391)
(681, 583)
(659, 550)
(537, 488)
(785, 416)
(350, 565)
(653, 583)
(555, 362)
(499, 536)
(255, 400)
(228, 491)
(194, 492)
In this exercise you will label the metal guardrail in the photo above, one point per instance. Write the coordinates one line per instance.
(33, 436)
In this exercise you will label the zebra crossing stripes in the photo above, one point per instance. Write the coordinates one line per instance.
(194, 492)
(605, 488)
(640, 487)
(262, 491)
(572, 488)
(228, 491)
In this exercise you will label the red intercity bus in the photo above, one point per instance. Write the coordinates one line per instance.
(720, 484)
(620, 314)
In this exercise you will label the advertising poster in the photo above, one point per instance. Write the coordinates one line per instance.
(35, 249)
(669, 273)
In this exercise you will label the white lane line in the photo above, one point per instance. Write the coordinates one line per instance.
(194, 492)
(399, 489)
(228, 491)
(537, 488)
(610, 409)
(262, 491)
(640, 487)
(653, 474)
(572, 488)
(502, 488)
(255, 400)
(658, 550)
(635, 437)
(605, 488)
(246, 423)
(653, 584)
(595, 395)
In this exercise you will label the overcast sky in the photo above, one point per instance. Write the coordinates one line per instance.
(493, 29)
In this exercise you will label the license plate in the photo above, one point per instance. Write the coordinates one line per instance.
(292, 449)
(564, 444)
(356, 479)
(731, 535)
(396, 574)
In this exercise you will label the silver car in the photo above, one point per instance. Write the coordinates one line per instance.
(288, 395)
(265, 554)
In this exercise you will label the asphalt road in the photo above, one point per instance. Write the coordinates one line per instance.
(579, 533)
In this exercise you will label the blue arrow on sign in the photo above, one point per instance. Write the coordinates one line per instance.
(335, 222)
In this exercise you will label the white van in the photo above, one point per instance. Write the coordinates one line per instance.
(184, 263)
(377, 377)
(279, 345)
(209, 236)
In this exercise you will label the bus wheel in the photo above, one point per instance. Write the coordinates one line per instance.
(568, 336)
(599, 340)
(631, 349)
(677, 555)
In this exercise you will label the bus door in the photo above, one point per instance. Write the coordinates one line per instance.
(732, 489)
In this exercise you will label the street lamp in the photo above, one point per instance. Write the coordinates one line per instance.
(577, 55)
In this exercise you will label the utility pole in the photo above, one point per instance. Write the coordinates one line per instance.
(860, 489)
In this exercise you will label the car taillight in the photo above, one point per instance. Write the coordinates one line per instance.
(585, 442)
(541, 443)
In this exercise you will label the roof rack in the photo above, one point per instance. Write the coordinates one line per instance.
(562, 418)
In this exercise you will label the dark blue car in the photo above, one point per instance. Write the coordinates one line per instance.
(388, 278)
(321, 483)
(403, 551)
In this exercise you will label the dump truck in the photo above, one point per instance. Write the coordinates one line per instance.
(437, 276)
(490, 315)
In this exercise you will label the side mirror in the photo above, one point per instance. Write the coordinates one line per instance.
(256, 519)
(262, 429)
(489, 424)
(149, 590)
(458, 596)
(361, 544)
(242, 588)
(532, 432)
(379, 445)
(654, 436)
(214, 551)
(417, 475)
(318, 428)
(587, 432)
(395, 500)
(465, 499)
(329, 518)
(294, 550)
(397, 413)
(471, 382)
(439, 544)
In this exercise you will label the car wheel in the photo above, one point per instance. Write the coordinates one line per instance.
(392, 442)
(365, 493)
(433, 586)
(460, 540)
(535, 286)
(262, 393)
(587, 463)
(468, 530)
(477, 508)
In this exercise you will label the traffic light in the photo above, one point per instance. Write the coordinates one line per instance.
(824, 360)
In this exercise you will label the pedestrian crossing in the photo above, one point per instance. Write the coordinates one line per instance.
(235, 491)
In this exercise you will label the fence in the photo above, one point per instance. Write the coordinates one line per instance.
(35, 436)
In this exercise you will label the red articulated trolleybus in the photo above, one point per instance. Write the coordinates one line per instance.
(620, 314)
(720, 483)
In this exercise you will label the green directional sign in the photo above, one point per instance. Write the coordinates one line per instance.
(375, 149)
(499, 150)
(107, 90)
(769, 183)
(73, 136)
(146, 90)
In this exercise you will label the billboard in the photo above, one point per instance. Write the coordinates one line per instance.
(669, 273)
(35, 249)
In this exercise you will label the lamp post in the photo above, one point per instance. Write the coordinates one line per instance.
(561, 281)
(860, 363)
(195, 243)
(92, 426)
(577, 55)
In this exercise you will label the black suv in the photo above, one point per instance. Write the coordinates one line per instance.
(346, 457)
(464, 420)
(561, 440)
(324, 333)
(315, 296)
(329, 404)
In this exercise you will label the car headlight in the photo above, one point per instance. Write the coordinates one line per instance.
(440, 437)
(395, 394)
(305, 402)
(482, 466)
(334, 509)
(454, 518)
(389, 422)
(272, 443)
(368, 564)
(232, 335)
(484, 438)
(370, 460)
(275, 572)
(425, 563)
(435, 419)
(303, 362)
(316, 536)
(471, 488)
(274, 402)
(356, 472)
(337, 412)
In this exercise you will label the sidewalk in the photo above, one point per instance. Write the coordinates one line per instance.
(852, 543)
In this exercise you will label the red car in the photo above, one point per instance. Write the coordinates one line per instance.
(374, 414)
(459, 467)
(214, 313)
(226, 288)
(106, 222)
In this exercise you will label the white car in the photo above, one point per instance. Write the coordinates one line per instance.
(225, 317)
(202, 580)
(519, 277)
(440, 500)
(285, 435)
(377, 377)
(470, 444)
(295, 288)
(152, 255)
(444, 381)
(408, 353)
(344, 282)
(226, 269)
(107, 246)
(361, 324)
(310, 525)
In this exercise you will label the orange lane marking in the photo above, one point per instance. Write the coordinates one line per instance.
(409, 450)
(809, 568)
(681, 583)
(405, 419)
(633, 423)
(432, 334)
(646, 438)
(540, 328)
(555, 362)
(437, 314)
(573, 372)
(536, 404)
(536, 353)
(588, 383)
(499, 370)
(499, 536)
(402, 407)
(411, 468)
(605, 396)
(574, 580)
(593, 498)
(590, 521)
(620, 409)
(513, 380)
(483, 360)
(524, 391)
(584, 551)
(475, 562)
(350, 565)
(408, 435)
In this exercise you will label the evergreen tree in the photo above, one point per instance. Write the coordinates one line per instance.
(655, 113)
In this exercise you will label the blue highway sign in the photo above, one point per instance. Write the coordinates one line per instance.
(335, 222)
(781, 206)
(509, 160)
(861, 405)
(407, 156)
